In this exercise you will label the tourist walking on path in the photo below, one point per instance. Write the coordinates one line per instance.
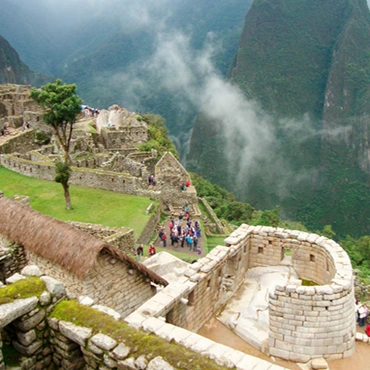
(362, 314)
(164, 239)
(139, 252)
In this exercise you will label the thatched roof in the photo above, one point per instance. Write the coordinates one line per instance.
(61, 243)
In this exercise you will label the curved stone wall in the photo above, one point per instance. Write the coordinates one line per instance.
(306, 321)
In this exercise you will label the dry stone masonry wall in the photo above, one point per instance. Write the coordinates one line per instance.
(306, 322)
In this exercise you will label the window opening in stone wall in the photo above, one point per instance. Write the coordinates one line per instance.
(260, 250)
(208, 283)
(245, 248)
(191, 299)
(327, 266)
(169, 317)
(312, 258)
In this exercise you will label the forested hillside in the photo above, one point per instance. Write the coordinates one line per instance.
(13, 70)
(307, 66)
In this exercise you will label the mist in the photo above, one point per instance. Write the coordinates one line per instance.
(185, 72)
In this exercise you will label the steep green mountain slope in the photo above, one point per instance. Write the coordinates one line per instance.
(307, 64)
(12, 69)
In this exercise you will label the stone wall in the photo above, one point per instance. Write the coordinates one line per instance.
(117, 285)
(150, 227)
(75, 285)
(120, 237)
(12, 259)
(305, 321)
(112, 282)
(93, 178)
(22, 143)
(24, 326)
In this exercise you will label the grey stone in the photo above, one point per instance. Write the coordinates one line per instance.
(53, 323)
(26, 338)
(104, 342)
(121, 351)
(11, 311)
(128, 364)
(45, 298)
(319, 363)
(27, 350)
(14, 278)
(85, 300)
(75, 333)
(109, 362)
(30, 323)
(141, 362)
(31, 270)
(55, 287)
(159, 364)
(94, 349)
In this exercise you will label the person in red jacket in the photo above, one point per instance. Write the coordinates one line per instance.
(152, 251)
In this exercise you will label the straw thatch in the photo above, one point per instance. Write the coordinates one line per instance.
(61, 243)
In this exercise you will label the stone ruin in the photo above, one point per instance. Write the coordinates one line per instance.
(108, 159)
(305, 322)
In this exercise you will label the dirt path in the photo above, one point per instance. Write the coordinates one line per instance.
(219, 333)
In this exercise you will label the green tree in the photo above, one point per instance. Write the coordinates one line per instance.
(61, 107)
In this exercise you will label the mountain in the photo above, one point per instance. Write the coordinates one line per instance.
(14, 71)
(306, 65)
(107, 47)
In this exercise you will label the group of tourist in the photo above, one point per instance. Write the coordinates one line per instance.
(362, 313)
(90, 112)
(185, 185)
(182, 231)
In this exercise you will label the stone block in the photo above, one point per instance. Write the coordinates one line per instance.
(121, 351)
(26, 338)
(14, 278)
(104, 341)
(75, 333)
(31, 270)
(158, 363)
(11, 311)
(28, 350)
(45, 298)
(30, 323)
(54, 286)
(152, 324)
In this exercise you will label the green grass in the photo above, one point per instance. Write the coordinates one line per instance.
(21, 289)
(214, 241)
(89, 205)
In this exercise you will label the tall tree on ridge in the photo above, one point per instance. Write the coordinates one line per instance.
(61, 107)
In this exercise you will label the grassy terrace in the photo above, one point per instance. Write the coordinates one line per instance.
(89, 205)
